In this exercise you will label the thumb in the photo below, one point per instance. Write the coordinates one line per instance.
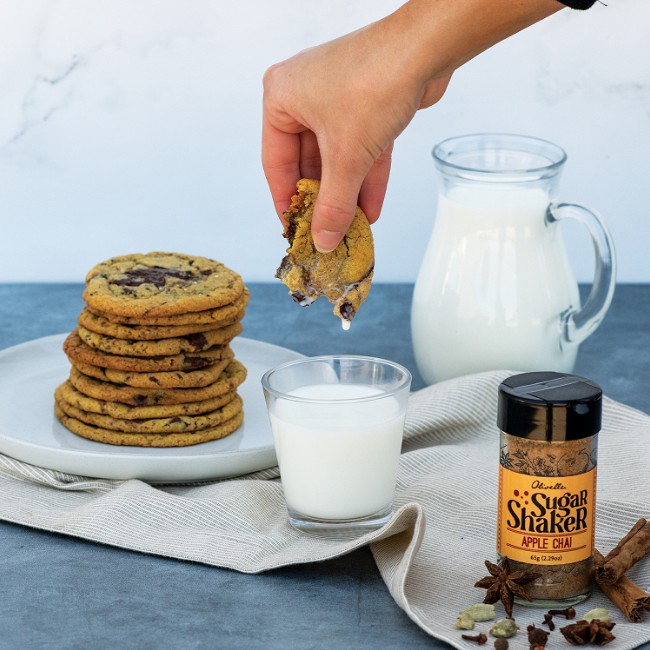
(334, 210)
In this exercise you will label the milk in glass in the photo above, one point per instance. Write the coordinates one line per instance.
(338, 461)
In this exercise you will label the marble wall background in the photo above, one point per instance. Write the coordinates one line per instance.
(134, 125)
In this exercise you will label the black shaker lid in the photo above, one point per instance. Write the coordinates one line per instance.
(549, 406)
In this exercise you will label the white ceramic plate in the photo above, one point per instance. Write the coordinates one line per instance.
(30, 372)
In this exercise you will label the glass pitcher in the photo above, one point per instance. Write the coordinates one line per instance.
(495, 289)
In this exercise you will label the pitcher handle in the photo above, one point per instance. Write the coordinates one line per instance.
(578, 324)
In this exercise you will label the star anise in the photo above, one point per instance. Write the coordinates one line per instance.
(503, 585)
(597, 632)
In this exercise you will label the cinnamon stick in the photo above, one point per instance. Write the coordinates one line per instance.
(625, 594)
(634, 546)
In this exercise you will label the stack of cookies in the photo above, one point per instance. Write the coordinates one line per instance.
(151, 360)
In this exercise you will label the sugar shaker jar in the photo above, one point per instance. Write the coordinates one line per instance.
(549, 425)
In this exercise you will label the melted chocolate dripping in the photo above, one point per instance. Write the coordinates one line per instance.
(347, 310)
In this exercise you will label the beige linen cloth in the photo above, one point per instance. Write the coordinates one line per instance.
(430, 554)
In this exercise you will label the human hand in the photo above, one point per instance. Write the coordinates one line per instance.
(332, 113)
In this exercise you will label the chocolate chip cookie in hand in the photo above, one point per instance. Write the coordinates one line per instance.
(342, 276)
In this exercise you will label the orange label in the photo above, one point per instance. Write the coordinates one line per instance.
(546, 520)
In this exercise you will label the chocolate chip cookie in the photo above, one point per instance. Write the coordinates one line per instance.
(68, 393)
(232, 376)
(217, 317)
(197, 342)
(160, 284)
(77, 350)
(177, 424)
(175, 379)
(101, 325)
(342, 276)
(148, 439)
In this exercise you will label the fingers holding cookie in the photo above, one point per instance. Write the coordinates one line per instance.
(343, 275)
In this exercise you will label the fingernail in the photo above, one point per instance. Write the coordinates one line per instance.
(326, 241)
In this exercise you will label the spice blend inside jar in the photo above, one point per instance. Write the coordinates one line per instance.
(549, 426)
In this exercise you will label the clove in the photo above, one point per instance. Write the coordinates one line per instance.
(548, 620)
(568, 613)
(479, 638)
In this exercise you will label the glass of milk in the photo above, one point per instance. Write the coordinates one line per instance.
(337, 424)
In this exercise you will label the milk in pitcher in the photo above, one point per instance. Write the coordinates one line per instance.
(492, 285)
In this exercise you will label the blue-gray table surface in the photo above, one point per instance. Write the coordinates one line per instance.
(61, 592)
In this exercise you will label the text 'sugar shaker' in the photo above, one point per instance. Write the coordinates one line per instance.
(549, 426)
